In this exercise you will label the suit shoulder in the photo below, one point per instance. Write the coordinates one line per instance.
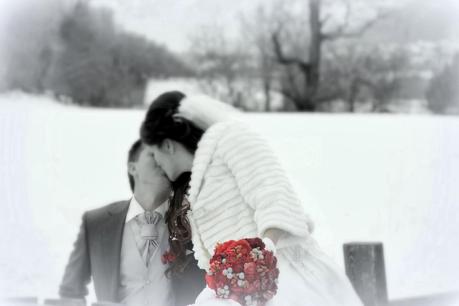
(102, 212)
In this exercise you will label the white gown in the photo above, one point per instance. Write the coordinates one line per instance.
(315, 282)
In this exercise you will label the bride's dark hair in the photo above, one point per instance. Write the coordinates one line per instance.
(162, 123)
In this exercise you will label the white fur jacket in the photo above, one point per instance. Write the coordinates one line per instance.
(239, 190)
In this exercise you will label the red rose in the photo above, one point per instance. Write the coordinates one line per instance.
(246, 243)
(168, 257)
(268, 258)
(243, 246)
(250, 271)
(238, 267)
(222, 247)
(237, 289)
(220, 283)
(253, 287)
(210, 280)
(256, 243)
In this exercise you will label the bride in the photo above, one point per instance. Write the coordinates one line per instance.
(237, 189)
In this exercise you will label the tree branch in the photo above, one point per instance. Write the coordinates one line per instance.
(342, 28)
(343, 32)
(282, 59)
(324, 20)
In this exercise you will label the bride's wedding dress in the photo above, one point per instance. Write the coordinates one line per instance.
(318, 284)
(239, 190)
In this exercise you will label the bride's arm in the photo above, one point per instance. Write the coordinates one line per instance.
(263, 184)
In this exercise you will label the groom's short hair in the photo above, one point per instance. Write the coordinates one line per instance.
(133, 156)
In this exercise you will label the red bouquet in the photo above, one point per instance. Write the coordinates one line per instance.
(243, 271)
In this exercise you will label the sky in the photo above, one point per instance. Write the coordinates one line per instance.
(172, 22)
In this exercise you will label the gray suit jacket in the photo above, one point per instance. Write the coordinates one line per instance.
(96, 254)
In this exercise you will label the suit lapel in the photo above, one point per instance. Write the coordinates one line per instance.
(111, 236)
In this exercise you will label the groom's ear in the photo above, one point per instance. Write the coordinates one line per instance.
(131, 168)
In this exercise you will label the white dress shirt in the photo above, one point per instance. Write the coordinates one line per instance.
(136, 209)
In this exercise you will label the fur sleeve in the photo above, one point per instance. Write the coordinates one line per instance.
(262, 181)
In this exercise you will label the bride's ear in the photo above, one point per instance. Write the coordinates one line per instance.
(169, 146)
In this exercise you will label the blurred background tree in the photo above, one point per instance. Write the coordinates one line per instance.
(361, 74)
(443, 93)
(85, 57)
(305, 85)
(255, 32)
(224, 66)
(26, 47)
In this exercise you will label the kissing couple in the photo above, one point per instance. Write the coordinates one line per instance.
(200, 178)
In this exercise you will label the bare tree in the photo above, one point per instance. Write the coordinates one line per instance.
(306, 93)
(222, 65)
(256, 30)
(443, 92)
(365, 74)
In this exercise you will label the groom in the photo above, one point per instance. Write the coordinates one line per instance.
(120, 246)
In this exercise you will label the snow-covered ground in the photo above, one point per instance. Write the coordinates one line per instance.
(361, 177)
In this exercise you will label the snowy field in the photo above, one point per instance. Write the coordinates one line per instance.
(362, 178)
